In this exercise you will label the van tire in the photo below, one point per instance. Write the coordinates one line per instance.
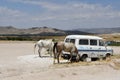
(84, 58)
(108, 57)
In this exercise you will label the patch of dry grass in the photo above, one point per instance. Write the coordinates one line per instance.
(68, 64)
(110, 37)
(115, 56)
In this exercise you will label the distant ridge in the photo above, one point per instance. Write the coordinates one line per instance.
(10, 30)
(43, 31)
(101, 30)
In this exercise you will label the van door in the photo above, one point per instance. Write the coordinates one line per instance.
(94, 48)
(102, 48)
(82, 46)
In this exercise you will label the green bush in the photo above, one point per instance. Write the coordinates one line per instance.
(113, 43)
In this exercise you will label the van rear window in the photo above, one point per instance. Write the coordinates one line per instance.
(67, 40)
(83, 42)
(70, 40)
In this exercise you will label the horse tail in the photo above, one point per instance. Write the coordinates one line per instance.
(35, 47)
(55, 48)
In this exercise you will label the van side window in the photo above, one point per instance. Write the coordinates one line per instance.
(83, 41)
(93, 42)
(101, 43)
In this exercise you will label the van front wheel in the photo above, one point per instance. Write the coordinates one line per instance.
(108, 57)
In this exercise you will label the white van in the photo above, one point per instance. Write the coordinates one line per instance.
(90, 46)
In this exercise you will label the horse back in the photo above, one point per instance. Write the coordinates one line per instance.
(45, 43)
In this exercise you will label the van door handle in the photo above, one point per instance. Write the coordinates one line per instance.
(99, 48)
(90, 47)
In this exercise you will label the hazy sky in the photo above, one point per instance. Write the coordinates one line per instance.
(62, 14)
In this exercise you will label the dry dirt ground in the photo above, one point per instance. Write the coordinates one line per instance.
(18, 62)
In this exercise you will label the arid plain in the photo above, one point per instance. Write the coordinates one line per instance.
(18, 62)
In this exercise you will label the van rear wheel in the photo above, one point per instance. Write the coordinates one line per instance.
(84, 58)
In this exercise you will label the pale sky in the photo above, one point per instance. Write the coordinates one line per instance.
(61, 14)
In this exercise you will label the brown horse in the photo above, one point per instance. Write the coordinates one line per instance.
(67, 47)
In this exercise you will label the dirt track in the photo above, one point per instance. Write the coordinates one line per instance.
(18, 62)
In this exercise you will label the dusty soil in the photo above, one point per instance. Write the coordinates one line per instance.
(18, 62)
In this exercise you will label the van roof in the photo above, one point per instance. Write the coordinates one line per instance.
(83, 37)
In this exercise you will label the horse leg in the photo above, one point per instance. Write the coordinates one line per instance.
(77, 58)
(54, 61)
(39, 51)
(54, 58)
(58, 57)
(50, 52)
(70, 57)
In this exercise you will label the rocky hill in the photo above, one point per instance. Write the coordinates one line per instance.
(9, 30)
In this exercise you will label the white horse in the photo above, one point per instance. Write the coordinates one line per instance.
(47, 44)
